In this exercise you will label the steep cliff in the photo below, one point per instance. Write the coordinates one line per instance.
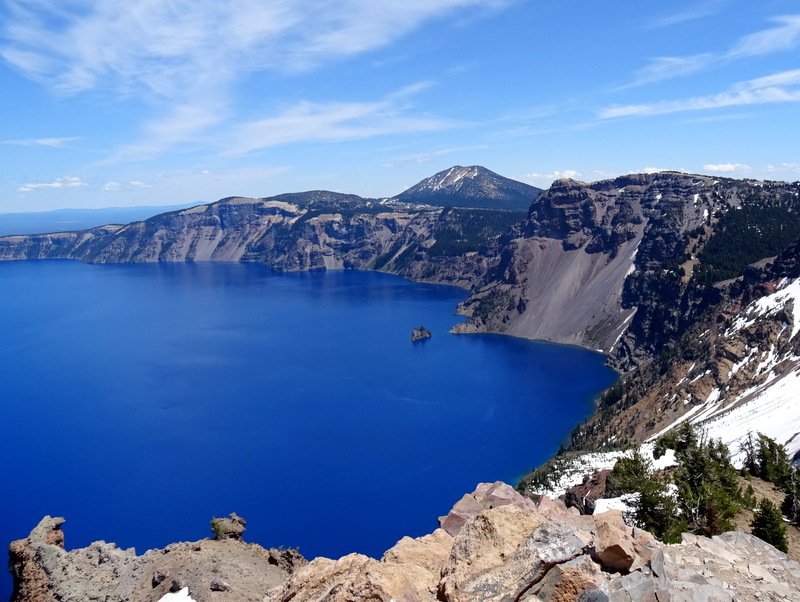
(735, 372)
(303, 231)
(609, 265)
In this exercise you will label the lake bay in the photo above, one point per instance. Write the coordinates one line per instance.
(138, 401)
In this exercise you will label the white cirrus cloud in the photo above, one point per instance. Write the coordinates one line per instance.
(174, 48)
(726, 167)
(187, 57)
(785, 36)
(51, 142)
(697, 11)
(65, 182)
(333, 122)
(776, 88)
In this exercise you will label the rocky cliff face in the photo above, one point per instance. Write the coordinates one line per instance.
(493, 545)
(735, 372)
(307, 231)
(608, 265)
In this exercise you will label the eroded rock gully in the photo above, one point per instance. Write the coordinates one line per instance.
(494, 545)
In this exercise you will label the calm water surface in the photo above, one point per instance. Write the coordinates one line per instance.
(138, 401)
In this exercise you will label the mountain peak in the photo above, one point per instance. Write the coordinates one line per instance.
(472, 186)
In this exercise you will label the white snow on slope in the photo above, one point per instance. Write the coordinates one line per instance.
(770, 305)
(773, 406)
(775, 412)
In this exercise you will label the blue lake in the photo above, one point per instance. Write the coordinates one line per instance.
(138, 401)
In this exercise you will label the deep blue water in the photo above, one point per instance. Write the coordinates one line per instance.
(138, 401)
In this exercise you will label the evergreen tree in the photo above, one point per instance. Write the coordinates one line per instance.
(791, 503)
(773, 461)
(707, 482)
(655, 509)
(768, 525)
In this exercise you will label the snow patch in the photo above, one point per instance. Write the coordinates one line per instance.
(179, 596)
(625, 503)
(573, 471)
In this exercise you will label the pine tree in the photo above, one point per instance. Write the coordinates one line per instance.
(768, 525)
(791, 503)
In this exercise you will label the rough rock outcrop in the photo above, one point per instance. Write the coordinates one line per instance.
(504, 550)
(584, 496)
(232, 527)
(212, 570)
(549, 552)
(485, 496)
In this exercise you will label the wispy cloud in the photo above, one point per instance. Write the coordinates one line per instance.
(417, 158)
(785, 36)
(66, 182)
(780, 87)
(726, 167)
(334, 122)
(186, 57)
(545, 179)
(116, 186)
(555, 175)
(651, 170)
(52, 142)
(699, 11)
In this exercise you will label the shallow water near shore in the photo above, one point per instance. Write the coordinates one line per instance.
(141, 400)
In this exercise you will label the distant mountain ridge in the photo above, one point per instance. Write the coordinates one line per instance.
(472, 186)
(58, 220)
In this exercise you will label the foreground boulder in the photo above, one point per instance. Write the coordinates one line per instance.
(503, 547)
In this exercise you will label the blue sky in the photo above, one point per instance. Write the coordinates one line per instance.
(154, 102)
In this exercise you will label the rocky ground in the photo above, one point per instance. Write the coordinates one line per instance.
(493, 545)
